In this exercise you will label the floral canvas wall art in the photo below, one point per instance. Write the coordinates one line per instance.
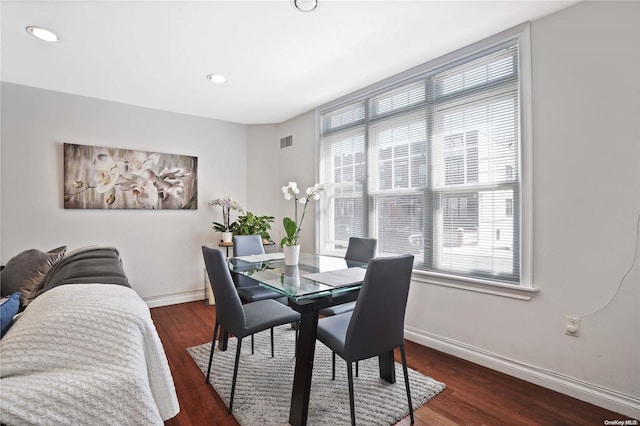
(115, 178)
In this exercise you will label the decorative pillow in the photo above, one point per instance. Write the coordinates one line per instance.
(9, 307)
(25, 271)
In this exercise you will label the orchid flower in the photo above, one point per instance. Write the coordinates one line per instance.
(292, 228)
(227, 205)
(107, 173)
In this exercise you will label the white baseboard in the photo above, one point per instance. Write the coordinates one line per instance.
(174, 298)
(606, 398)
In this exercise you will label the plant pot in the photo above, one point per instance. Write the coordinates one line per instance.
(291, 255)
(227, 237)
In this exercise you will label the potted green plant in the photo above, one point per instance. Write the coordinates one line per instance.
(251, 224)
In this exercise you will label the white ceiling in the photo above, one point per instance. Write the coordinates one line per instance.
(279, 62)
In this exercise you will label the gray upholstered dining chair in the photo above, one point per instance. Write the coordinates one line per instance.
(358, 250)
(248, 289)
(240, 320)
(376, 325)
(361, 249)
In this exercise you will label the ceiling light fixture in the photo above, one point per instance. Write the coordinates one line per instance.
(216, 78)
(305, 5)
(43, 34)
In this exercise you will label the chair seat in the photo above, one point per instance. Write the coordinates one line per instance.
(284, 300)
(265, 314)
(338, 309)
(333, 330)
(256, 293)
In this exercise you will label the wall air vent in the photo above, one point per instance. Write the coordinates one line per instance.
(286, 142)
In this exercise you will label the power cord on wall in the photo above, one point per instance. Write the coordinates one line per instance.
(624, 277)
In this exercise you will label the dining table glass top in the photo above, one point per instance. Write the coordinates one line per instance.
(314, 276)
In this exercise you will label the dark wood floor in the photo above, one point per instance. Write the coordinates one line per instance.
(474, 395)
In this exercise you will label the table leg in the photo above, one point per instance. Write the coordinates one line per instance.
(304, 368)
(387, 367)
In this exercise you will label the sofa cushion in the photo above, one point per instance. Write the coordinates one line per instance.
(8, 308)
(25, 271)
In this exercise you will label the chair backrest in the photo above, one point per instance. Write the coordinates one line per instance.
(229, 311)
(361, 249)
(246, 245)
(377, 322)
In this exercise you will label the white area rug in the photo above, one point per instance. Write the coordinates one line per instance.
(263, 390)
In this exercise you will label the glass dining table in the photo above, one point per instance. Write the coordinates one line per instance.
(317, 282)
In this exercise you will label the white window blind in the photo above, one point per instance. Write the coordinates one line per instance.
(430, 166)
(344, 154)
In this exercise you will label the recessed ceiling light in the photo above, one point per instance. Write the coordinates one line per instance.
(305, 5)
(217, 78)
(43, 34)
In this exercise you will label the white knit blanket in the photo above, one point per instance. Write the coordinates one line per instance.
(85, 354)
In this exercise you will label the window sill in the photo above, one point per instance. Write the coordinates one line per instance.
(480, 286)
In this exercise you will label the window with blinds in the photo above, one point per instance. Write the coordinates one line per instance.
(430, 166)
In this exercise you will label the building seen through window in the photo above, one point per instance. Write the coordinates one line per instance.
(431, 167)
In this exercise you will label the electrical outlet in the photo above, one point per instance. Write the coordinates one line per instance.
(571, 325)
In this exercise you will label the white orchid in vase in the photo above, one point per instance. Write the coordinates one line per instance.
(292, 227)
(227, 205)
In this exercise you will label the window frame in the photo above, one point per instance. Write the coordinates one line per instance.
(524, 289)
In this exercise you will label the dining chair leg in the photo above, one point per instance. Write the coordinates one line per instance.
(252, 345)
(352, 406)
(356, 368)
(235, 375)
(271, 342)
(406, 380)
(213, 345)
(333, 365)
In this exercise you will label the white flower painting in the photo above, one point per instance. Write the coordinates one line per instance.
(114, 178)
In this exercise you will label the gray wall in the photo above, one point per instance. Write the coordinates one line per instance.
(270, 168)
(586, 203)
(160, 249)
